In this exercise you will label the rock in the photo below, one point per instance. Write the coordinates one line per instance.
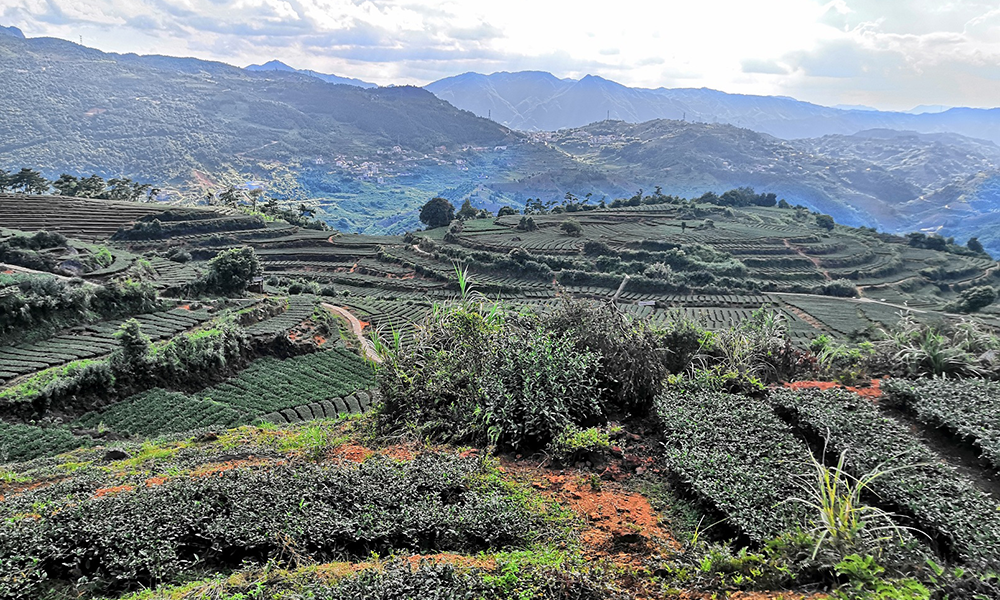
(205, 438)
(115, 454)
(640, 470)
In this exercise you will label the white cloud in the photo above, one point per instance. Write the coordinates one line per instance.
(879, 52)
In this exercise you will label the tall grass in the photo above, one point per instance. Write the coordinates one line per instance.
(841, 518)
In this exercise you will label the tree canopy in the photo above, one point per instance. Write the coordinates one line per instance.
(438, 212)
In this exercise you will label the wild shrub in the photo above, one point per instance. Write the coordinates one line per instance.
(757, 348)
(476, 374)
(633, 359)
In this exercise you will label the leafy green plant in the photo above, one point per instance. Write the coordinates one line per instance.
(573, 442)
(866, 582)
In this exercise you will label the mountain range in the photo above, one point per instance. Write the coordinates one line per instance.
(368, 157)
(532, 100)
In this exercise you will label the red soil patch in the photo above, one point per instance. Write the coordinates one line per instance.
(320, 340)
(8, 272)
(155, 481)
(229, 465)
(619, 525)
(874, 390)
(352, 452)
(456, 560)
(185, 307)
(112, 491)
(293, 335)
(11, 489)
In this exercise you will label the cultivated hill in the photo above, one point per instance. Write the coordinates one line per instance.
(893, 180)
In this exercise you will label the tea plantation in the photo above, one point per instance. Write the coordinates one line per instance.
(650, 398)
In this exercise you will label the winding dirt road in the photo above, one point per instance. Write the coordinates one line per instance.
(358, 329)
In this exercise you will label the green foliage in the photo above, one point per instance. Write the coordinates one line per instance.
(941, 502)
(38, 302)
(231, 271)
(920, 349)
(633, 357)
(737, 457)
(975, 298)
(572, 442)
(840, 518)
(134, 347)
(825, 221)
(476, 374)
(134, 536)
(438, 212)
(866, 582)
(571, 227)
(968, 408)
(24, 442)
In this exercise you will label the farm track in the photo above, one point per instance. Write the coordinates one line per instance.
(813, 260)
(6, 267)
(358, 329)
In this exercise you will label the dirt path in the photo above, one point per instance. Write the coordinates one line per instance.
(808, 318)
(811, 259)
(11, 269)
(358, 329)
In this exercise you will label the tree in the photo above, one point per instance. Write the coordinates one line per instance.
(571, 227)
(133, 346)
(784, 204)
(29, 181)
(467, 211)
(4, 181)
(527, 224)
(232, 271)
(231, 196)
(975, 245)
(255, 196)
(91, 187)
(438, 212)
(66, 185)
(506, 210)
(305, 211)
(976, 298)
(825, 221)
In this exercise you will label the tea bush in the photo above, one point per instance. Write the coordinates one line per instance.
(119, 538)
(941, 502)
(737, 457)
(969, 408)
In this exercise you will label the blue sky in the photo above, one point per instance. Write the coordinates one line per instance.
(891, 54)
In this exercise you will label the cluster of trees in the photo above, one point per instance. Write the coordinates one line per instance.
(26, 181)
(943, 244)
(742, 196)
(29, 181)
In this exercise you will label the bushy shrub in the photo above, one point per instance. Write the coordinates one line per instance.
(476, 374)
(633, 361)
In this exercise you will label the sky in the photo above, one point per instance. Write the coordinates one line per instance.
(887, 54)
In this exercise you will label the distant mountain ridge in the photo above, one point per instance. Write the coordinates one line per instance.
(277, 65)
(539, 101)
